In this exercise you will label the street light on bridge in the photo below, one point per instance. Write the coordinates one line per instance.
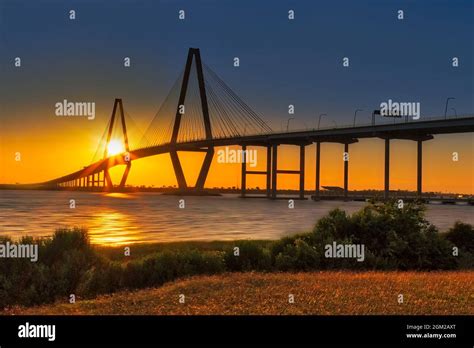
(319, 121)
(446, 107)
(375, 112)
(355, 115)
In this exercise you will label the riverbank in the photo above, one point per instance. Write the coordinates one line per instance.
(319, 293)
(379, 237)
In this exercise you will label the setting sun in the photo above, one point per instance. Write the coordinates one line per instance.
(115, 147)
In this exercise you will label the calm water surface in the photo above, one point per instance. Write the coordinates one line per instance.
(118, 218)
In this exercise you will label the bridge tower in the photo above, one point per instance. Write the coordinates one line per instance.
(107, 181)
(195, 54)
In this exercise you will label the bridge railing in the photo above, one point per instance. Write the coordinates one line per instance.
(387, 121)
(401, 120)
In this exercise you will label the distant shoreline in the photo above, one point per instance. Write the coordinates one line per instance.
(215, 191)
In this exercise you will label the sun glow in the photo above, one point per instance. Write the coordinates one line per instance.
(115, 147)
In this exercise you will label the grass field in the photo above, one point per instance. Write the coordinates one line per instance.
(330, 293)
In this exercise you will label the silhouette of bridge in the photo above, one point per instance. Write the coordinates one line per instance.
(208, 114)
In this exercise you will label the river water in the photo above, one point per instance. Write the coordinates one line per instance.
(124, 218)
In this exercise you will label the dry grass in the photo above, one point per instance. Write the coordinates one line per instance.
(331, 293)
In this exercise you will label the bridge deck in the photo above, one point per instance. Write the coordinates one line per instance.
(413, 130)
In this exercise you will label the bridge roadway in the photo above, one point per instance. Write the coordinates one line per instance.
(413, 130)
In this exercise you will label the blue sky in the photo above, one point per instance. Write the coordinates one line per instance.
(282, 62)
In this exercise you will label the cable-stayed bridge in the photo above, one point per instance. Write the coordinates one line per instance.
(201, 113)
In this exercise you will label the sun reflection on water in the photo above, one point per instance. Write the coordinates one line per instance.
(117, 195)
(113, 228)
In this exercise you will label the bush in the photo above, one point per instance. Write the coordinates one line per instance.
(462, 236)
(251, 257)
(393, 238)
(153, 270)
(62, 262)
(298, 255)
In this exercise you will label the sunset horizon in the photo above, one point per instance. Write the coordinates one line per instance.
(189, 172)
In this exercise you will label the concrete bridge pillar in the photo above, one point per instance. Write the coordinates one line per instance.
(125, 175)
(269, 170)
(178, 170)
(274, 169)
(245, 171)
(206, 165)
(318, 169)
(387, 169)
(243, 183)
(302, 152)
(108, 179)
(346, 170)
(419, 167)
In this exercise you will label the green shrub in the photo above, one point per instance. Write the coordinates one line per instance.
(153, 270)
(297, 256)
(393, 238)
(251, 256)
(62, 262)
(462, 236)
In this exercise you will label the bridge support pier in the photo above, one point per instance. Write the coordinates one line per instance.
(269, 170)
(318, 170)
(206, 165)
(420, 138)
(245, 172)
(243, 181)
(302, 171)
(125, 175)
(346, 169)
(419, 167)
(108, 179)
(274, 170)
(387, 169)
(178, 170)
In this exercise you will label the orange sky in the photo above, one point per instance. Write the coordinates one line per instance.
(72, 145)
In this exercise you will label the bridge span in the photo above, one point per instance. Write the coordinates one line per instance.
(218, 129)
